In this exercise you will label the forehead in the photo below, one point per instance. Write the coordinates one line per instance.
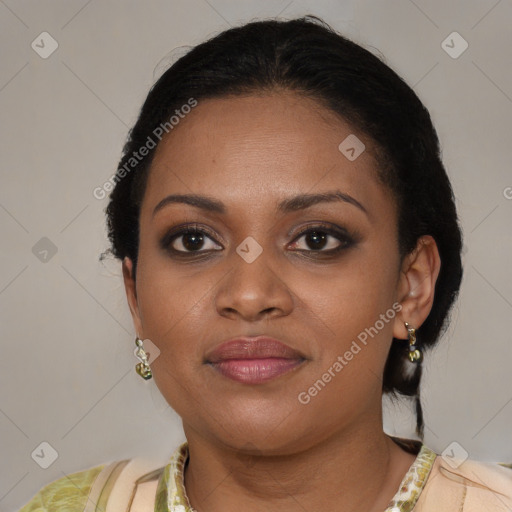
(254, 149)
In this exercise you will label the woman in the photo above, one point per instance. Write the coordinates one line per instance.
(290, 249)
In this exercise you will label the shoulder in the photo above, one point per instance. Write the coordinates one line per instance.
(67, 493)
(471, 484)
(90, 489)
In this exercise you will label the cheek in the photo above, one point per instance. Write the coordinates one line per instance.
(172, 320)
(355, 306)
(363, 285)
(169, 309)
(351, 353)
(175, 302)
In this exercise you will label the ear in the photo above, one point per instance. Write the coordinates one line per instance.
(131, 294)
(416, 285)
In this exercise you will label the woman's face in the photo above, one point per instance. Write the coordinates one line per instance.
(318, 293)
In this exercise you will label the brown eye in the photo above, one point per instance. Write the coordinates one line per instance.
(190, 240)
(320, 239)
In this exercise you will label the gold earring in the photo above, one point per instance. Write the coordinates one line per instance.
(142, 368)
(414, 353)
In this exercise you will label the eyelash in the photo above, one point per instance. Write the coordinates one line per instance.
(340, 234)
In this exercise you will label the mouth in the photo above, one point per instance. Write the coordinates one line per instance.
(254, 360)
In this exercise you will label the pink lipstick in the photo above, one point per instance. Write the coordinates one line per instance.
(254, 360)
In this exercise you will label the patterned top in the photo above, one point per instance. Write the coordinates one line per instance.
(172, 497)
(432, 484)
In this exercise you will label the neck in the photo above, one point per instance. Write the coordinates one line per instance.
(356, 469)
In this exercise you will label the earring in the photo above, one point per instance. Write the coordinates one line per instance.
(142, 368)
(414, 353)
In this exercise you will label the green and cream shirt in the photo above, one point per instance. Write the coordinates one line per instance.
(432, 484)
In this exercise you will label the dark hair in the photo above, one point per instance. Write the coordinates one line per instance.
(306, 55)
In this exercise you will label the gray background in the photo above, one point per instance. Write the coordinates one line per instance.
(67, 366)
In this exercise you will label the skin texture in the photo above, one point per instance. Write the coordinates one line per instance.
(256, 447)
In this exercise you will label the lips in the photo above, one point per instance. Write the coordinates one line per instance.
(254, 360)
(260, 347)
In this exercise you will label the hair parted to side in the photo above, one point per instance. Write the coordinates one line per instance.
(307, 56)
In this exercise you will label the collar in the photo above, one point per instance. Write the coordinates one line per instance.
(171, 495)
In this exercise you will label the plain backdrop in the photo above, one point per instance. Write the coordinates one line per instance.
(67, 373)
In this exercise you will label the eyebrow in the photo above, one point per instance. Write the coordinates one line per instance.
(290, 204)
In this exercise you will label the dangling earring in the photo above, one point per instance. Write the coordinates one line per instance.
(142, 368)
(414, 353)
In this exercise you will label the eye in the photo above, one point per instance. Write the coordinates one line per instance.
(323, 239)
(189, 240)
(318, 239)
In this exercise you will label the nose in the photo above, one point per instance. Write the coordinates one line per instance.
(254, 290)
